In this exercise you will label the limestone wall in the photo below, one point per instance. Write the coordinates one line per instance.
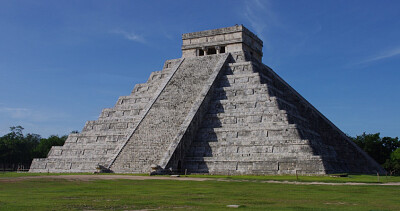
(233, 39)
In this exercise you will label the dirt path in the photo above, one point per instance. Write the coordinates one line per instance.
(131, 177)
(98, 177)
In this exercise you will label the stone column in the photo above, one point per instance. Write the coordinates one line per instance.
(218, 48)
(205, 50)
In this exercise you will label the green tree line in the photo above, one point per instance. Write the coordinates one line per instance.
(17, 149)
(386, 150)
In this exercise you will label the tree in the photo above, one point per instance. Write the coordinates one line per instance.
(45, 145)
(393, 164)
(17, 149)
(16, 132)
(378, 148)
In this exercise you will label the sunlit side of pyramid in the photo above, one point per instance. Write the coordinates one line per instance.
(216, 110)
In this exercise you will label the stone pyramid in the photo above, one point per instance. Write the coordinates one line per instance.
(216, 110)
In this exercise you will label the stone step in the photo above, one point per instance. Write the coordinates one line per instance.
(265, 79)
(169, 64)
(131, 99)
(119, 112)
(215, 149)
(116, 127)
(259, 103)
(126, 119)
(249, 88)
(239, 94)
(253, 76)
(242, 63)
(111, 123)
(100, 149)
(242, 91)
(92, 145)
(242, 87)
(273, 132)
(157, 76)
(242, 105)
(250, 121)
(249, 137)
(266, 116)
(154, 80)
(246, 157)
(83, 153)
(239, 68)
(251, 117)
(288, 166)
(144, 88)
(240, 79)
(92, 133)
(250, 142)
(95, 139)
(64, 165)
(133, 106)
(239, 57)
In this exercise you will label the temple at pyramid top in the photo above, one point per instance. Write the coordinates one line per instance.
(223, 40)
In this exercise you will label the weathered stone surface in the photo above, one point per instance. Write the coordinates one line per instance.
(100, 140)
(217, 110)
(166, 116)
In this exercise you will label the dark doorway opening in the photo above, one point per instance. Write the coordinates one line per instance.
(211, 51)
(201, 52)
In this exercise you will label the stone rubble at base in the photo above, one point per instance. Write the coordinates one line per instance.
(216, 110)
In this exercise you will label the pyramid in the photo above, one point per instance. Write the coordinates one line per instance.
(216, 110)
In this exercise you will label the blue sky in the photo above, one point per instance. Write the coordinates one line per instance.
(62, 62)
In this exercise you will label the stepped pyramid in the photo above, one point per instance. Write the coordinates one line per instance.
(216, 110)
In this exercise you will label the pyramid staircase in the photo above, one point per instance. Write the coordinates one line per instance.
(162, 128)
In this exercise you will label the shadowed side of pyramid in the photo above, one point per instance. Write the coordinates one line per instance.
(257, 124)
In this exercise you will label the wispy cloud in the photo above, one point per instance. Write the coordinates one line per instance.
(130, 35)
(29, 114)
(15, 112)
(260, 16)
(382, 55)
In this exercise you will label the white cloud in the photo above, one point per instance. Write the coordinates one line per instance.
(261, 16)
(27, 114)
(130, 36)
(17, 113)
(382, 55)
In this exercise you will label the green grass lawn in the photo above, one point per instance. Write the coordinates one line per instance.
(58, 194)
(300, 178)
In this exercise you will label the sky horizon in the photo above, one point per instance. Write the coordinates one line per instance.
(62, 62)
